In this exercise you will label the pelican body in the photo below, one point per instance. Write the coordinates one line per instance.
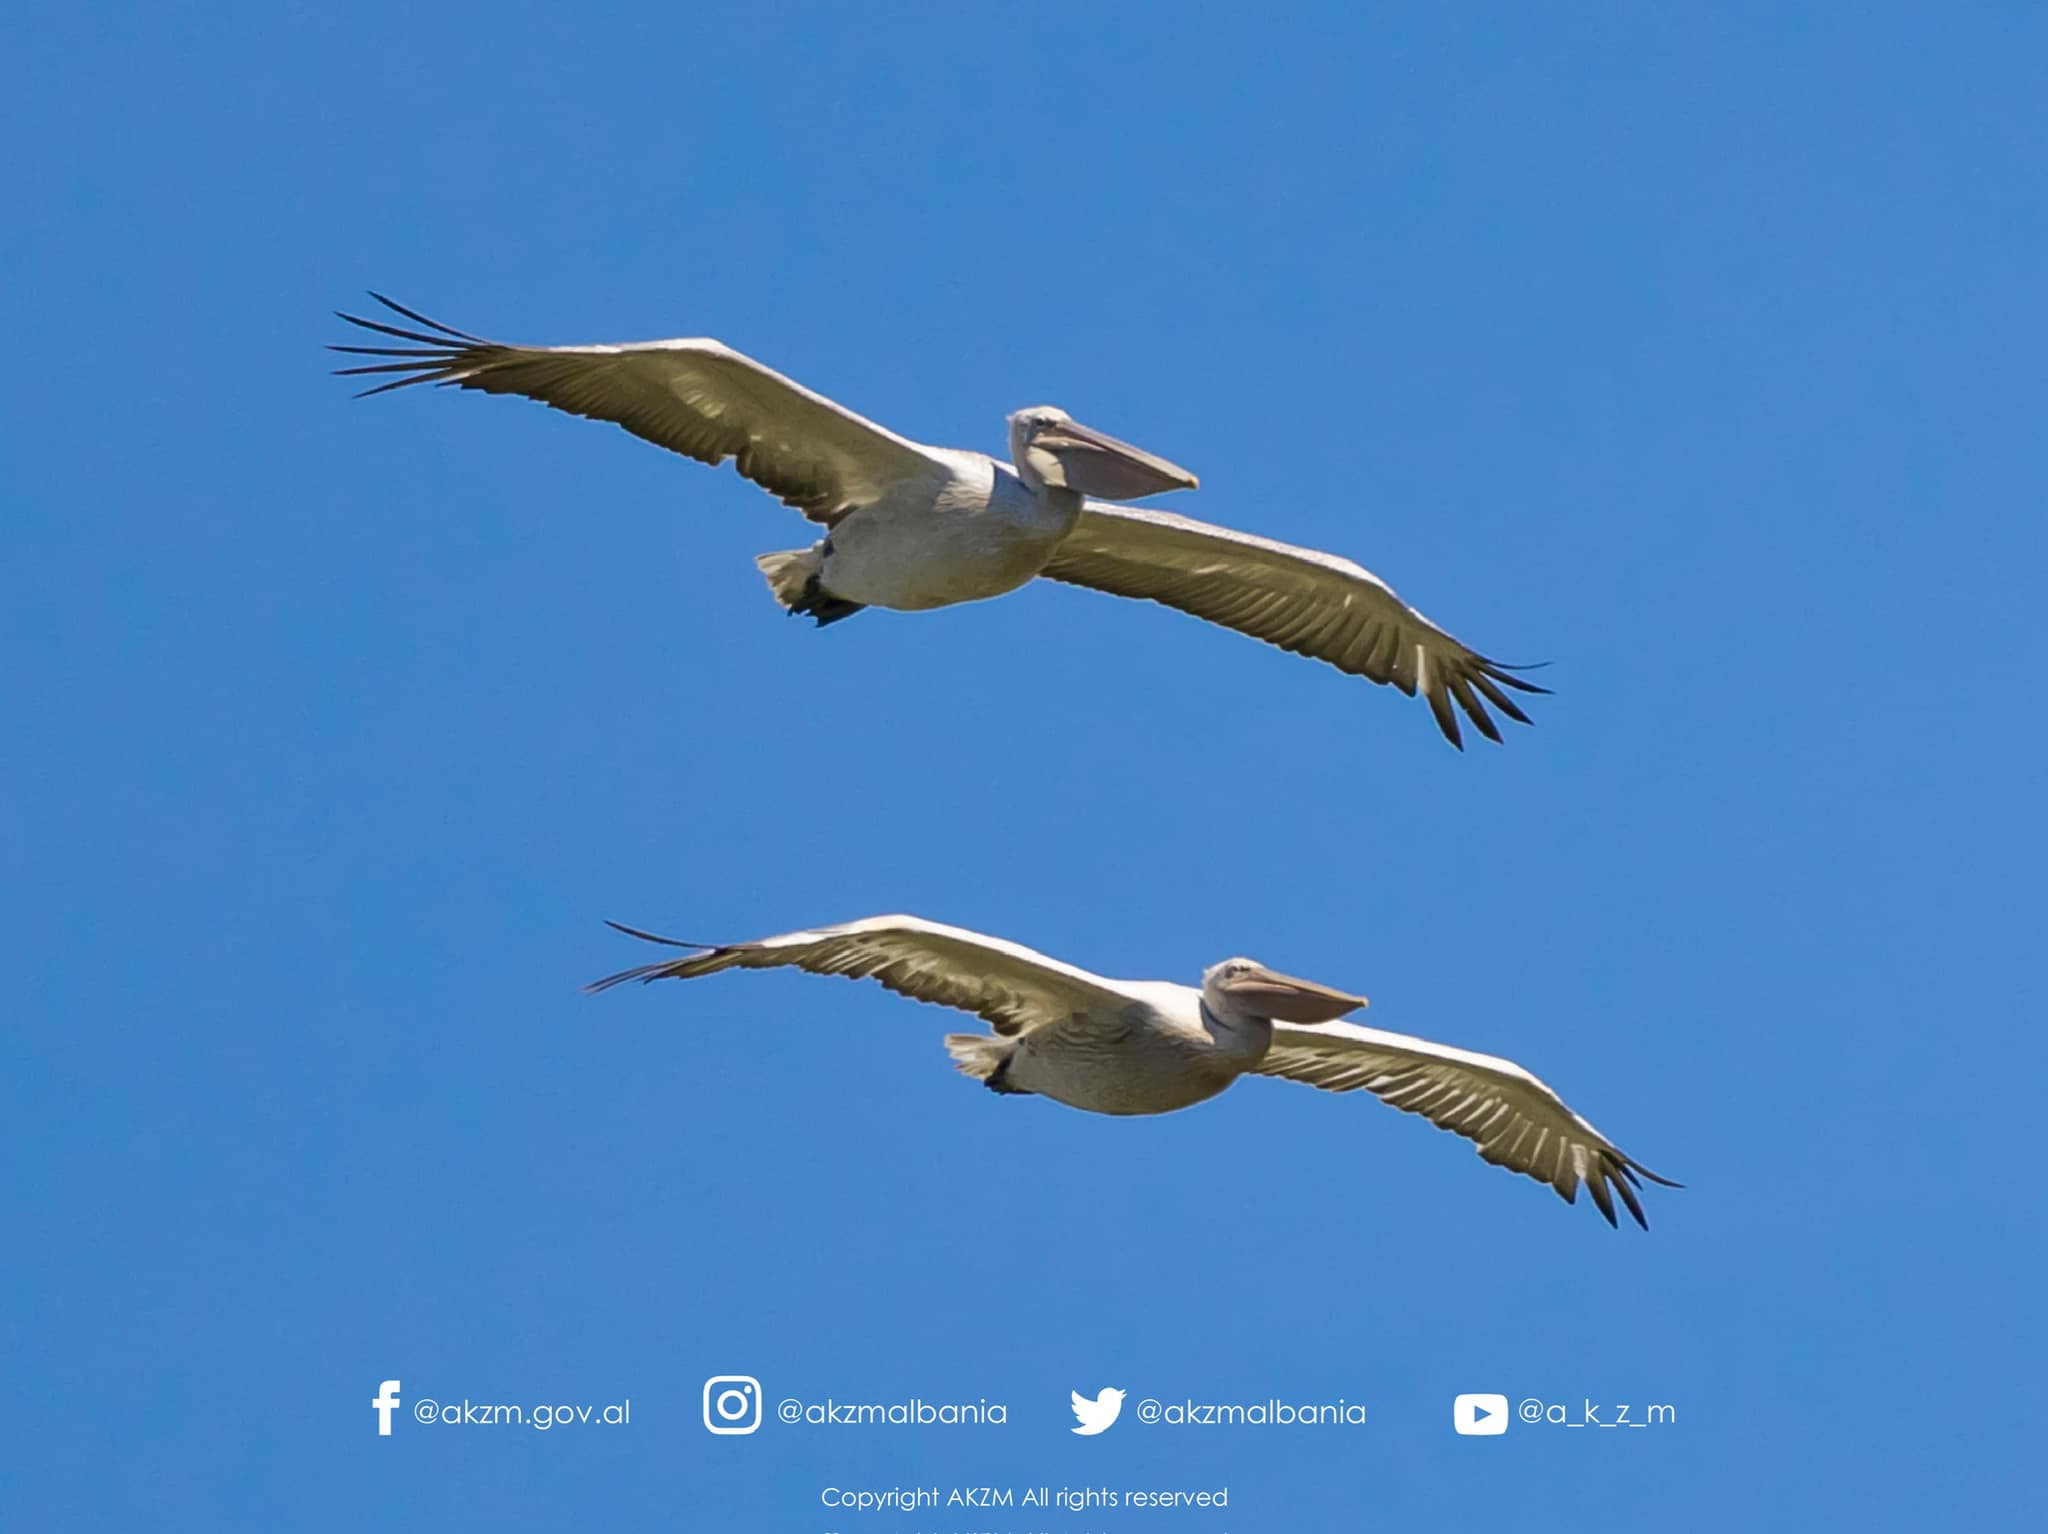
(912, 527)
(974, 529)
(1129, 1047)
(1160, 1054)
(982, 534)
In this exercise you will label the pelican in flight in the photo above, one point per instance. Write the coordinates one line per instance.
(1150, 1046)
(911, 527)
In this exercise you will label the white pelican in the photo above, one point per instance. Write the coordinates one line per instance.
(912, 527)
(1150, 1046)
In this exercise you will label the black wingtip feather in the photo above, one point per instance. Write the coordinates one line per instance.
(641, 974)
(440, 345)
(396, 383)
(420, 319)
(1628, 1197)
(1440, 705)
(1499, 699)
(1597, 1186)
(1504, 673)
(386, 351)
(655, 937)
(646, 974)
(386, 388)
(1473, 711)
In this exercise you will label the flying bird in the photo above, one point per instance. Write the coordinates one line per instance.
(911, 527)
(1097, 1414)
(1151, 1046)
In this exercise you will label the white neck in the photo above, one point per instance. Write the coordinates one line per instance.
(1235, 1030)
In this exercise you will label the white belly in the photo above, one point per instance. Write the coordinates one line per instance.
(980, 536)
(1126, 1067)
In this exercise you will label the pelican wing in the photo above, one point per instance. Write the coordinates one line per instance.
(1515, 1120)
(1308, 602)
(1008, 985)
(695, 397)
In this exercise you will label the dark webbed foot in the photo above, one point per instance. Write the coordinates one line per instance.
(998, 1080)
(816, 602)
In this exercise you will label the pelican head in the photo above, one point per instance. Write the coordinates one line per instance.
(1052, 450)
(1249, 989)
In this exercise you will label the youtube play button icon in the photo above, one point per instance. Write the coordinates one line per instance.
(1480, 1416)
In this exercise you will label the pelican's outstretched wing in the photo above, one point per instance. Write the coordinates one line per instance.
(694, 397)
(1308, 602)
(1008, 985)
(1515, 1120)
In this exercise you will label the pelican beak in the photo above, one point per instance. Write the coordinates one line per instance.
(1094, 463)
(1267, 993)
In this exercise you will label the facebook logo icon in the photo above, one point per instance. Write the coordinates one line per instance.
(384, 1403)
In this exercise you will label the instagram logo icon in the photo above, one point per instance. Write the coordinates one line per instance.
(732, 1403)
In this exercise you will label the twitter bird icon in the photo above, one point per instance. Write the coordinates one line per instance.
(1100, 1414)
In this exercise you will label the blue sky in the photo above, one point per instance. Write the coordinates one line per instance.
(1700, 356)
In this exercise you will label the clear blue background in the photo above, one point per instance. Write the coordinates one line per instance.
(1701, 356)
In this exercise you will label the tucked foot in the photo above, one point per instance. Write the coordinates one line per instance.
(998, 1080)
(794, 575)
(815, 601)
(987, 1060)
